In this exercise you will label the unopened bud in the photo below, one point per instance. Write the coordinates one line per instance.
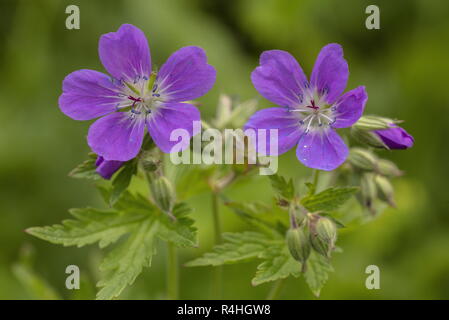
(298, 244)
(368, 191)
(163, 194)
(369, 123)
(323, 236)
(368, 137)
(362, 159)
(385, 188)
(388, 168)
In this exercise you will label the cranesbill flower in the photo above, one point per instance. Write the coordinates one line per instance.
(395, 137)
(133, 97)
(106, 168)
(310, 110)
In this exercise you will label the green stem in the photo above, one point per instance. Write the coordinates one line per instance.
(218, 271)
(172, 272)
(316, 175)
(172, 255)
(276, 290)
(216, 218)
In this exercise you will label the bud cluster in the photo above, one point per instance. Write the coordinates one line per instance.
(318, 233)
(375, 175)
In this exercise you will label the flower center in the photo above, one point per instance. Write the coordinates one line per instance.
(313, 111)
(140, 98)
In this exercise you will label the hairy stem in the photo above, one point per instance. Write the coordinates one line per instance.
(276, 289)
(172, 272)
(218, 271)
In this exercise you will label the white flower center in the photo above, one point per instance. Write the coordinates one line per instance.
(142, 98)
(314, 112)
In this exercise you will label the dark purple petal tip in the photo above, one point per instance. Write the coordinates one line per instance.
(396, 137)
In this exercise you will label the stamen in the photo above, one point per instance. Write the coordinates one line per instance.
(325, 90)
(310, 122)
(330, 120)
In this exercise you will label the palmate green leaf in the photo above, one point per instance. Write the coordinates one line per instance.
(90, 226)
(125, 262)
(285, 189)
(86, 170)
(237, 247)
(278, 264)
(329, 199)
(317, 272)
(246, 246)
(130, 214)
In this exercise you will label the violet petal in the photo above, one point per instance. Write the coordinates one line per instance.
(279, 78)
(322, 149)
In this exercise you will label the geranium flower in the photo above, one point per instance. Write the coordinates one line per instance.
(106, 168)
(395, 137)
(133, 97)
(310, 111)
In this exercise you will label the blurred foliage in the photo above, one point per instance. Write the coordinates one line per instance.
(403, 65)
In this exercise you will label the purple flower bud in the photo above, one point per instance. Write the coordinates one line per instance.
(395, 137)
(106, 168)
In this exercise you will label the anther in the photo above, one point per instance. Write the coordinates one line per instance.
(324, 91)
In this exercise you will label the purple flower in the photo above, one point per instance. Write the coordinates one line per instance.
(106, 168)
(134, 98)
(395, 137)
(311, 110)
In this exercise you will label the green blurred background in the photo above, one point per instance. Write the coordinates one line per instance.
(404, 65)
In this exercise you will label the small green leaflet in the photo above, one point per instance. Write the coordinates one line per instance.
(90, 226)
(180, 232)
(86, 170)
(278, 264)
(246, 246)
(329, 199)
(124, 263)
(282, 187)
(316, 275)
(258, 215)
(133, 215)
(237, 247)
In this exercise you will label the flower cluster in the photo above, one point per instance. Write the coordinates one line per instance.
(134, 97)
